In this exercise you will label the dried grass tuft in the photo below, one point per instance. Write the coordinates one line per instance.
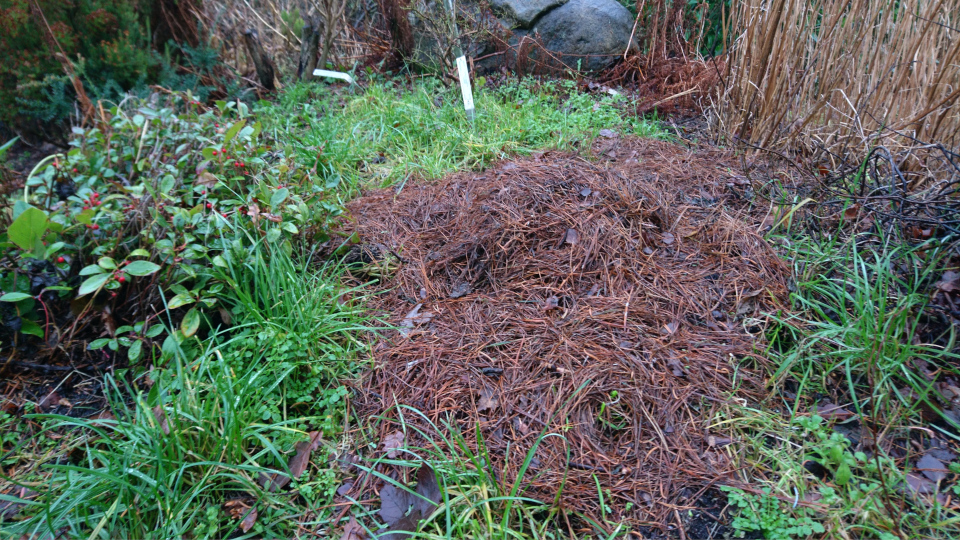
(843, 77)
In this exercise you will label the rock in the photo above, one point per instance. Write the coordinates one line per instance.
(523, 13)
(586, 34)
(581, 34)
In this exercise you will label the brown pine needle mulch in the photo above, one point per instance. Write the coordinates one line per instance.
(618, 303)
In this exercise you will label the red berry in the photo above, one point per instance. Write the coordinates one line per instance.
(61, 260)
(86, 207)
(113, 295)
(209, 206)
(95, 195)
(204, 192)
(242, 164)
(214, 152)
(74, 170)
(95, 226)
(121, 278)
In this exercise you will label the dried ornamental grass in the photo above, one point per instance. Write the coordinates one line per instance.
(843, 76)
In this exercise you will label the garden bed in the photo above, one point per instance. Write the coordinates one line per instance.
(616, 304)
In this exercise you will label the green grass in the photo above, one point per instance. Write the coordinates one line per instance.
(852, 335)
(856, 318)
(385, 135)
(234, 405)
(135, 479)
(278, 336)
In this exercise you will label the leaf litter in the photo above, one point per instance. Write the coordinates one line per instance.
(661, 323)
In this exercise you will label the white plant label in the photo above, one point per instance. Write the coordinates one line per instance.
(465, 86)
(333, 75)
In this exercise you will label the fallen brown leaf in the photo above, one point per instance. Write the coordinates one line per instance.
(572, 237)
(671, 327)
(830, 411)
(353, 531)
(488, 400)
(161, 417)
(395, 502)
(254, 212)
(249, 520)
(949, 282)
(676, 367)
(414, 317)
(49, 401)
(392, 443)
(852, 212)
(298, 463)
(713, 440)
(205, 179)
(932, 468)
(920, 485)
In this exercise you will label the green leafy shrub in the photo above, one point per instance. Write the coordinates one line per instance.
(158, 196)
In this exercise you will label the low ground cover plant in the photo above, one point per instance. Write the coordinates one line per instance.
(194, 229)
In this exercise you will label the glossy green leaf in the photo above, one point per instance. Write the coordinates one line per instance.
(180, 300)
(27, 230)
(98, 344)
(91, 270)
(14, 297)
(844, 474)
(279, 196)
(133, 353)
(141, 268)
(92, 284)
(31, 328)
(190, 323)
(155, 331)
(234, 129)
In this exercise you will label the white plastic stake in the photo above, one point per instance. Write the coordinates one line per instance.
(465, 86)
(333, 75)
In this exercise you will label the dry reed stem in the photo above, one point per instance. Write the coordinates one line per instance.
(843, 76)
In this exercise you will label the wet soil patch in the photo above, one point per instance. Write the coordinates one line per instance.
(615, 302)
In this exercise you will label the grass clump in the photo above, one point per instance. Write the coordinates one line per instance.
(858, 312)
(388, 135)
(473, 500)
(859, 359)
(222, 411)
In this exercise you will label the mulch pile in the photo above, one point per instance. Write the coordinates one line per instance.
(616, 302)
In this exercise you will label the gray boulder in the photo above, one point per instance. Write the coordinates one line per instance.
(523, 13)
(588, 34)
